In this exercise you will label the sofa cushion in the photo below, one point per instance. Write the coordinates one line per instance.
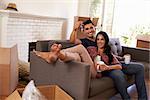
(115, 46)
(100, 85)
(44, 45)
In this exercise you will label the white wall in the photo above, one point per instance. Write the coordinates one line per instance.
(83, 7)
(55, 8)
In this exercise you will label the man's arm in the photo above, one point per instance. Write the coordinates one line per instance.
(73, 36)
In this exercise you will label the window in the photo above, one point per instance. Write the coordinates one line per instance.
(104, 10)
(131, 17)
(122, 18)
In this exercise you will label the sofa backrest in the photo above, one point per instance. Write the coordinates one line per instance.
(44, 45)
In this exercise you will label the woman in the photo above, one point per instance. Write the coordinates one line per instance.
(113, 69)
(104, 51)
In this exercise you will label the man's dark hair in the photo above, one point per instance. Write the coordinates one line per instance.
(87, 22)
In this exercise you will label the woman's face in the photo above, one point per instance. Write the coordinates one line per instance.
(89, 30)
(100, 41)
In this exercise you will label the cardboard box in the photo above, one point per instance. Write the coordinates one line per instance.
(51, 92)
(8, 70)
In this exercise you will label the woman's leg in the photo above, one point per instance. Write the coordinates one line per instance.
(119, 81)
(137, 69)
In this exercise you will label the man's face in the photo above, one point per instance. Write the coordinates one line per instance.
(89, 30)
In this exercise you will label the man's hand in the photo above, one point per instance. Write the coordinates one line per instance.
(77, 25)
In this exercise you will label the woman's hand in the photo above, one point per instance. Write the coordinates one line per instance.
(102, 67)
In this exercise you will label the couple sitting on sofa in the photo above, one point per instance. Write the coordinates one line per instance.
(90, 48)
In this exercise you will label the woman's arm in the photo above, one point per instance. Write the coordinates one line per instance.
(105, 67)
(117, 66)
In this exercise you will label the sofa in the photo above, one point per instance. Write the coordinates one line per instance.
(74, 77)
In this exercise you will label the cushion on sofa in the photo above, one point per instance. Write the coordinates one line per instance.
(116, 48)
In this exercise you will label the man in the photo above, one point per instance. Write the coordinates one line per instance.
(78, 53)
(88, 30)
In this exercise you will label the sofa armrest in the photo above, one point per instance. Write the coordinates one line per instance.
(137, 54)
(73, 77)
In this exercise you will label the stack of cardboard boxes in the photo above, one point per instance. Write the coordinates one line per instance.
(8, 70)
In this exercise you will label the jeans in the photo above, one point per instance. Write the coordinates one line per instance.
(120, 82)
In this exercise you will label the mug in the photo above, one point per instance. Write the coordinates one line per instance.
(98, 58)
(98, 66)
(127, 58)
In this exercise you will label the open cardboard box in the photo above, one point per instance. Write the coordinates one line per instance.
(51, 92)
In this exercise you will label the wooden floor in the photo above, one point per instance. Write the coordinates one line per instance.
(133, 92)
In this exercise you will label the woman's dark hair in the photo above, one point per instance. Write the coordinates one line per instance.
(107, 48)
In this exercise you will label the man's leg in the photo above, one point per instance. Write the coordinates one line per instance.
(137, 69)
(51, 56)
(79, 51)
(119, 82)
